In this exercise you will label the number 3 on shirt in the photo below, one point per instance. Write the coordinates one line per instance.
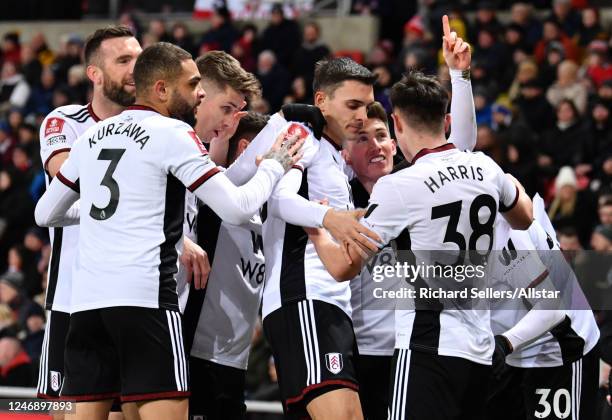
(113, 155)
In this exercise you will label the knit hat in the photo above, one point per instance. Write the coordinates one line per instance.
(605, 231)
(566, 176)
(13, 279)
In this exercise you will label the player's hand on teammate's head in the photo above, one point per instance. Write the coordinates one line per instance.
(286, 149)
(457, 52)
(308, 114)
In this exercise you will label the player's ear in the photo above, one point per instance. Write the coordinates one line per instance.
(94, 73)
(397, 123)
(161, 90)
(319, 98)
(393, 147)
(447, 122)
(242, 145)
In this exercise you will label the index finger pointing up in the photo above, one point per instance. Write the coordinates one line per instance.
(446, 27)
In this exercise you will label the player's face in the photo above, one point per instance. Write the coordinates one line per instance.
(118, 58)
(371, 153)
(345, 110)
(186, 93)
(217, 109)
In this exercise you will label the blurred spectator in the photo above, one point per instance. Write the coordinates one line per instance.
(382, 87)
(415, 47)
(260, 105)
(600, 133)
(11, 49)
(70, 55)
(282, 36)
(24, 261)
(552, 33)
(307, 55)
(43, 53)
(567, 143)
(514, 39)
(16, 367)
(486, 19)
(129, 20)
(533, 108)
(15, 119)
(78, 84)
(41, 98)
(493, 56)
(527, 70)
(12, 294)
(482, 104)
(183, 38)
(61, 97)
(222, 34)
(483, 82)
(572, 208)
(299, 92)
(604, 209)
(34, 332)
(30, 66)
(16, 212)
(14, 90)
(488, 143)
(24, 171)
(7, 143)
(157, 28)
(521, 14)
(565, 16)
(590, 27)
(555, 54)
(275, 79)
(568, 86)
(598, 67)
(244, 50)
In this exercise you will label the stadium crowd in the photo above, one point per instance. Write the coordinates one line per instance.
(542, 83)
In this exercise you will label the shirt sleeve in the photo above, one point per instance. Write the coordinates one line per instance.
(286, 204)
(463, 113)
(186, 158)
(508, 191)
(386, 214)
(56, 136)
(244, 167)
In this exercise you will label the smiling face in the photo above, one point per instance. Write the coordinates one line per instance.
(216, 111)
(371, 153)
(345, 109)
(115, 70)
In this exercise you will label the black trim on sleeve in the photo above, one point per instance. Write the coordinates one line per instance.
(55, 152)
(503, 208)
(203, 179)
(72, 185)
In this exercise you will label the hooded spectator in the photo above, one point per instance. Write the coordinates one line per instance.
(282, 36)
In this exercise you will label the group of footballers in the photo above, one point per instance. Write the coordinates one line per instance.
(163, 253)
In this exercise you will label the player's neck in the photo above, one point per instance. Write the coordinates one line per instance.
(160, 108)
(415, 141)
(368, 184)
(332, 138)
(105, 108)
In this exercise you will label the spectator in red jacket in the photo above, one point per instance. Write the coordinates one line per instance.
(15, 364)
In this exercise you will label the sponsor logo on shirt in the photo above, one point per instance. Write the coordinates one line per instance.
(198, 142)
(54, 126)
(333, 362)
(51, 141)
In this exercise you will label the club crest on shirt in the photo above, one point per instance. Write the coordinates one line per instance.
(54, 126)
(56, 380)
(333, 362)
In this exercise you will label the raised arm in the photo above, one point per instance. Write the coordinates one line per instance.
(458, 57)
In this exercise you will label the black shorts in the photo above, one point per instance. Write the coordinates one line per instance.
(217, 391)
(128, 352)
(505, 396)
(432, 387)
(374, 376)
(51, 370)
(564, 392)
(313, 345)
